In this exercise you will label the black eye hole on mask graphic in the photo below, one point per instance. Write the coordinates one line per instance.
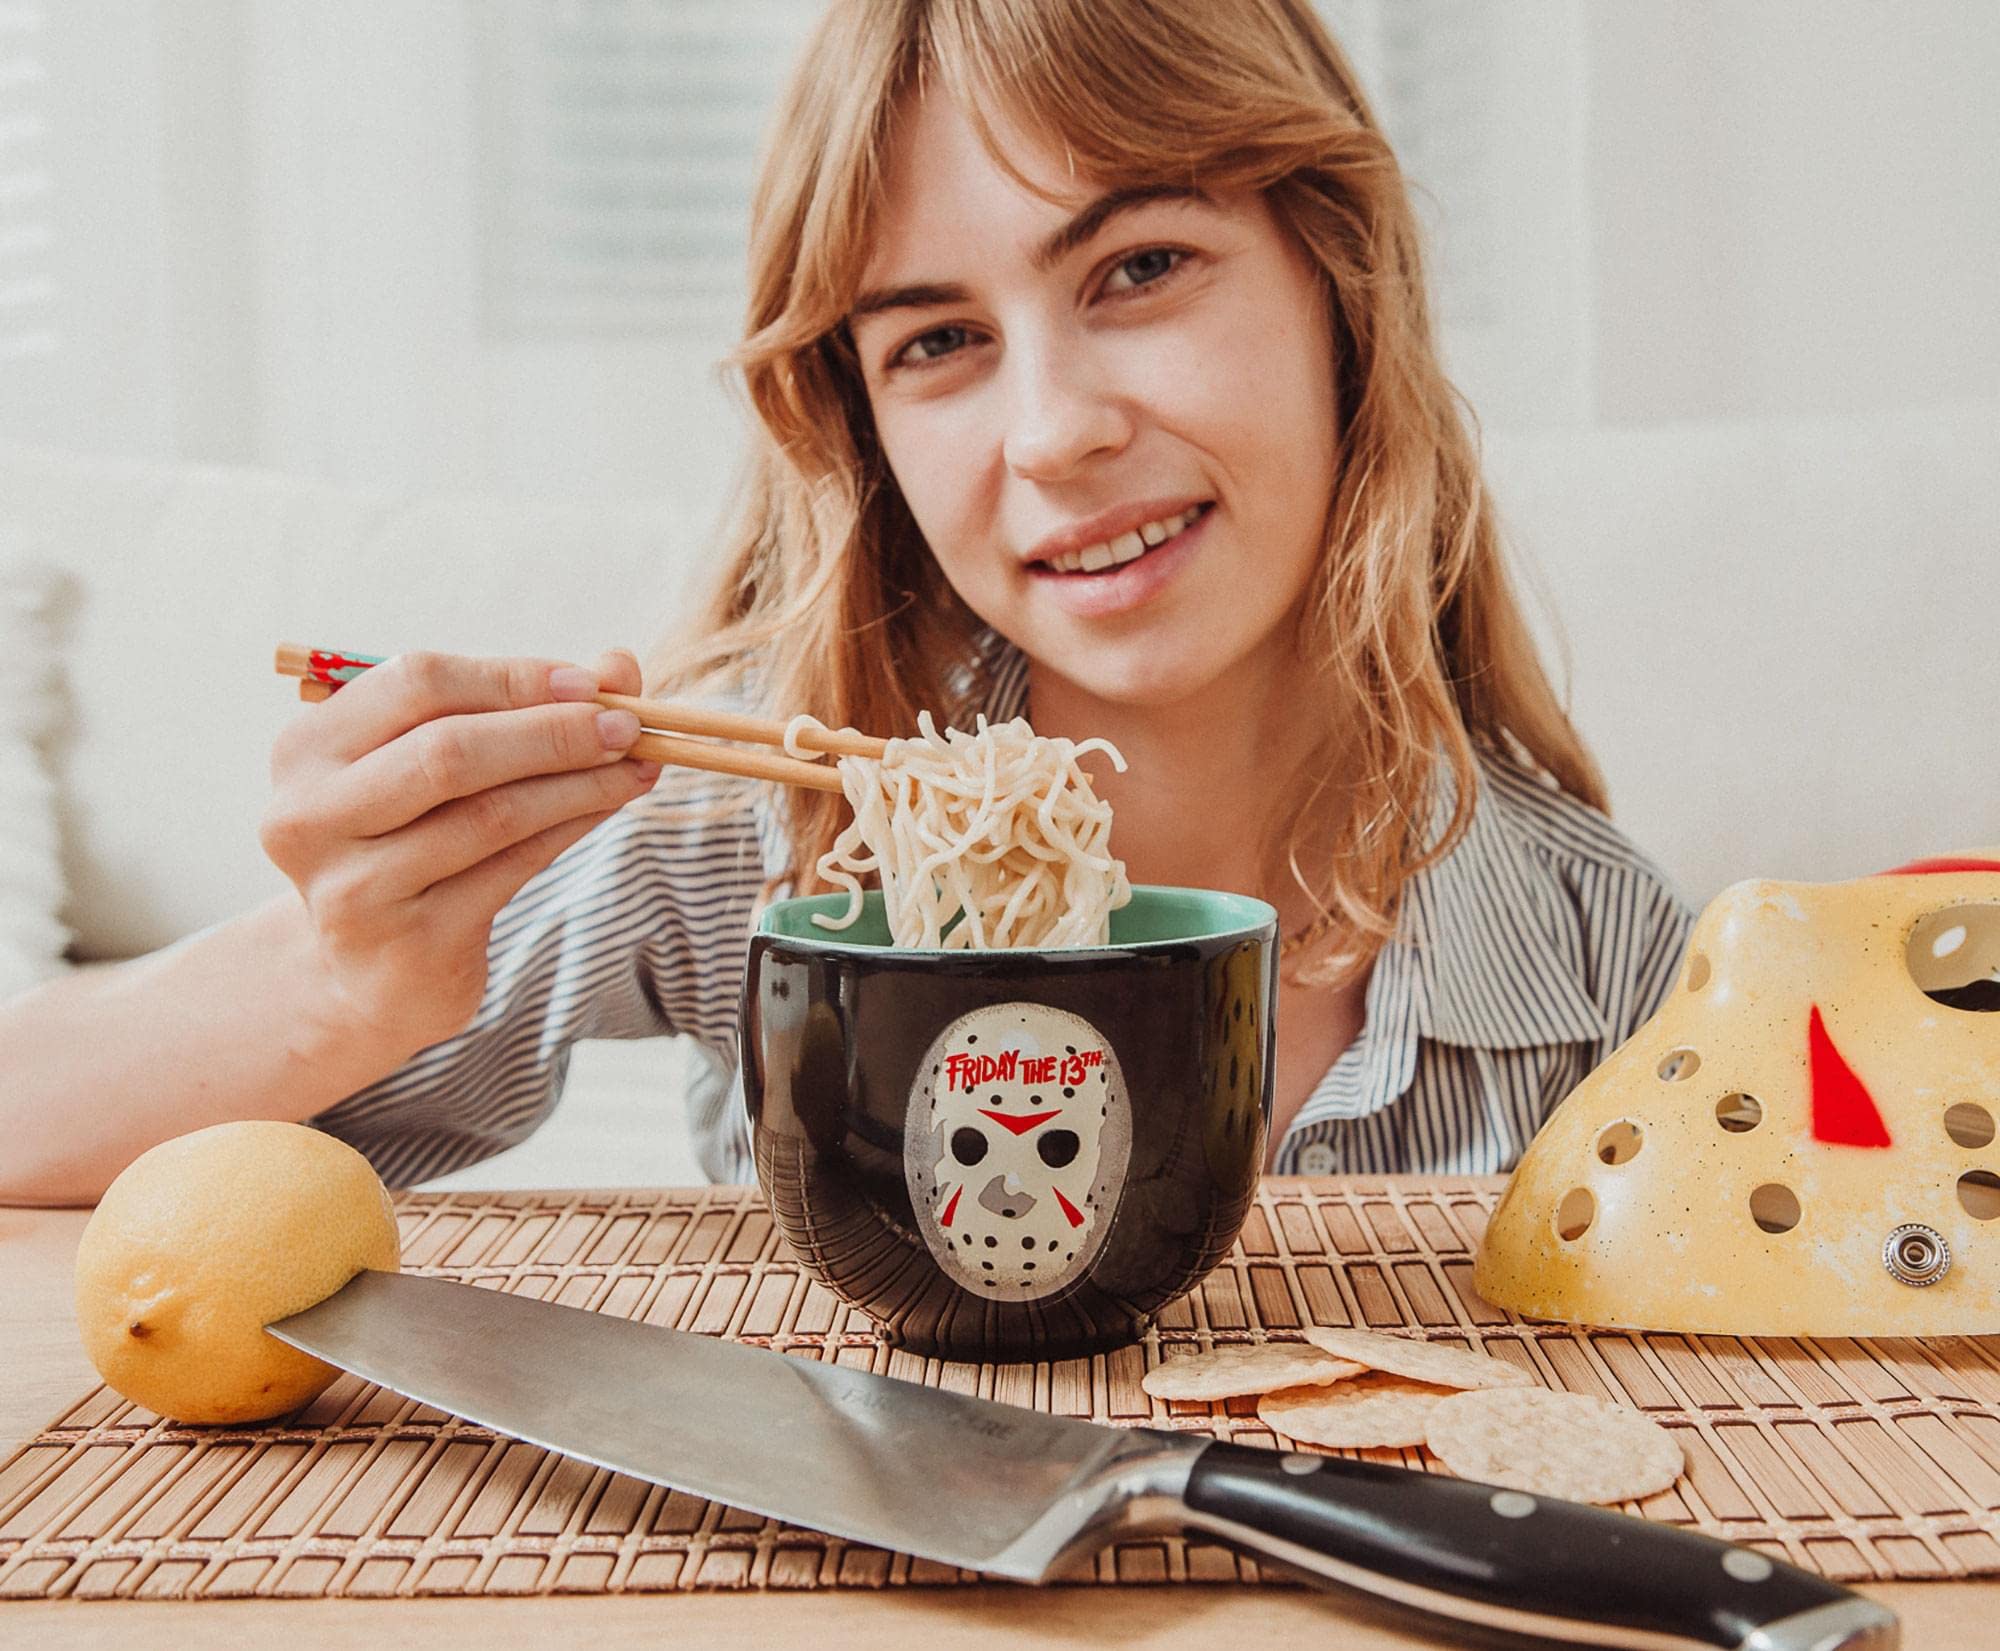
(1954, 957)
(1057, 1147)
(968, 1146)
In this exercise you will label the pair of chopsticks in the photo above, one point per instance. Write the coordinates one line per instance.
(321, 671)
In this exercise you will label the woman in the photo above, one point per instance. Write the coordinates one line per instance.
(1037, 286)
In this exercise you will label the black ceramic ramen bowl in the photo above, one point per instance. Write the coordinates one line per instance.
(1012, 1154)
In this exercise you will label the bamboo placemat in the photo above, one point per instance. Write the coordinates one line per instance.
(1859, 1459)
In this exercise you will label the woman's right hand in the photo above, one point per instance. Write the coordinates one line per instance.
(414, 804)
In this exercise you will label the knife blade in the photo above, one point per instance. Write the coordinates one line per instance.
(1018, 1493)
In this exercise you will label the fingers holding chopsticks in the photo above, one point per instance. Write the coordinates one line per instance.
(689, 735)
(618, 672)
(412, 805)
(458, 834)
(488, 884)
(411, 690)
(393, 745)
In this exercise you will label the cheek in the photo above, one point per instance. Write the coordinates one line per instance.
(1276, 435)
(933, 452)
(1275, 398)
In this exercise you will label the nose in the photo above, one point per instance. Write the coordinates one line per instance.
(1061, 413)
(1003, 1196)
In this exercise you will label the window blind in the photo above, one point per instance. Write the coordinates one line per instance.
(27, 188)
(619, 138)
(617, 152)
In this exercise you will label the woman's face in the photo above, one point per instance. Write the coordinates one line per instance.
(1058, 386)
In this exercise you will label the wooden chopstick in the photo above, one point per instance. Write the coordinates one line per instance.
(715, 758)
(321, 671)
(670, 717)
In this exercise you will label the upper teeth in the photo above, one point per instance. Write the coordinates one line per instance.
(1125, 547)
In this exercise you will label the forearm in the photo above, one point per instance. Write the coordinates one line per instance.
(100, 1065)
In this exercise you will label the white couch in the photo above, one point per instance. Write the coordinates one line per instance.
(174, 584)
(1783, 637)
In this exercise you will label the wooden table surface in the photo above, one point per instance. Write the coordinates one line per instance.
(46, 1370)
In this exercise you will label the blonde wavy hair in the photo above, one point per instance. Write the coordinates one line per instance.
(828, 600)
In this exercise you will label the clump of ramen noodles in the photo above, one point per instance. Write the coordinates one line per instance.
(991, 839)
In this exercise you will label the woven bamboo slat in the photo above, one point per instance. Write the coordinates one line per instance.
(1859, 1459)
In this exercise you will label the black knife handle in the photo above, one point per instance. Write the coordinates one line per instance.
(1505, 1559)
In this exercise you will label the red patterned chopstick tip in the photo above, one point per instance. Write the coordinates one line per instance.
(330, 666)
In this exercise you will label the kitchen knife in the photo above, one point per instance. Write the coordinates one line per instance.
(996, 1488)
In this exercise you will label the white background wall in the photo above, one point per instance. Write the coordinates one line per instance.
(268, 245)
(1795, 208)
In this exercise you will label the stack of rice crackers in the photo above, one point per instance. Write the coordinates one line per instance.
(1481, 1417)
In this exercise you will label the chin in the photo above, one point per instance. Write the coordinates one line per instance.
(1152, 674)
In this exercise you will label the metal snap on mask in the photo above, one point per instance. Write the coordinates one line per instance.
(1804, 1140)
(1016, 1147)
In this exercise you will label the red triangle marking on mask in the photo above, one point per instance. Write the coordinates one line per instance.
(1920, 868)
(1075, 1215)
(1018, 1125)
(1843, 1112)
(950, 1209)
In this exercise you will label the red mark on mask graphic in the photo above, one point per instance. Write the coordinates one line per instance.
(1923, 868)
(950, 1209)
(1843, 1112)
(1075, 1215)
(1023, 1123)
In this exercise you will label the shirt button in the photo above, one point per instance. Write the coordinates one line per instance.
(1316, 1159)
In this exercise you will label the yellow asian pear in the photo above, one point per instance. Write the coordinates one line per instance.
(207, 1238)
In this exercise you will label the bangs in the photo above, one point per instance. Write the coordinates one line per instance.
(1178, 92)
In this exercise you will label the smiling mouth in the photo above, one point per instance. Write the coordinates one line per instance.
(1129, 547)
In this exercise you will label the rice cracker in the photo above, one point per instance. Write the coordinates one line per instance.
(1419, 1361)
(1364, 1412)
(1571, 1445)
(1231, 1372)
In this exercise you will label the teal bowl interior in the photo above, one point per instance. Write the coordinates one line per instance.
(1156, 913)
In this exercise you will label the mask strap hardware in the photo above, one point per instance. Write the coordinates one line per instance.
(1916, 1255)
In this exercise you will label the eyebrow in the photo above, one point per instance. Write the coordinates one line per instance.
(1077, 232)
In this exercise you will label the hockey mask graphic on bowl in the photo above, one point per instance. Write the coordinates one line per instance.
(1019, 1133)
(1800, 1142)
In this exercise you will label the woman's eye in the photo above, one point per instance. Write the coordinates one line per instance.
(934, 345)
(1143, 269)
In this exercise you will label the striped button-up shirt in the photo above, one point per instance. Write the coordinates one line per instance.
(1520, 961)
